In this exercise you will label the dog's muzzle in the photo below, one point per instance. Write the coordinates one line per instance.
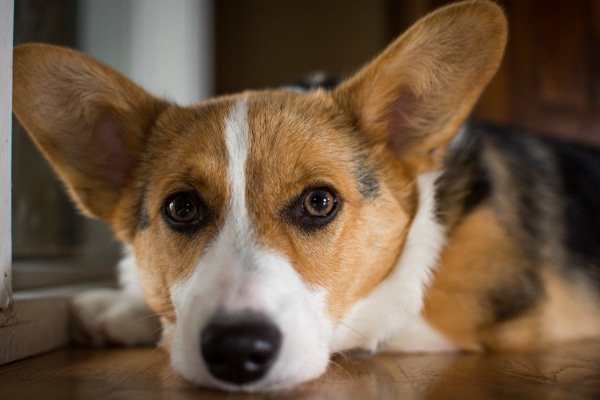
(241, 347)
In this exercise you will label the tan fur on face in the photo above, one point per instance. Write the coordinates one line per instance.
(348, 258)
(353, 253)
(187, 153)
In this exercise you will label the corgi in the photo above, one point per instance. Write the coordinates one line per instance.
(271, 229)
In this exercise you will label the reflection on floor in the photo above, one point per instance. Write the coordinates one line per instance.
(570, 371)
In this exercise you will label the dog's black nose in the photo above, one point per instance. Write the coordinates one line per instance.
(240, 348)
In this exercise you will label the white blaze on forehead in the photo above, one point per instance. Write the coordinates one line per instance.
(238, 144)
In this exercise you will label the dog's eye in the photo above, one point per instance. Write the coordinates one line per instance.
(182, 208)
(313, 209)
(183, 212)
(319, 202)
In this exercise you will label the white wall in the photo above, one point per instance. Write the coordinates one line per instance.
(165, 46)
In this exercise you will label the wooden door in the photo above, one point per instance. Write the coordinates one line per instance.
(549, 81)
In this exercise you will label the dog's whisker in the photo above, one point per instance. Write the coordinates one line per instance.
(140, 319)
(362, 336)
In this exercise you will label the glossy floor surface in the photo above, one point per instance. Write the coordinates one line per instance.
(567, 372)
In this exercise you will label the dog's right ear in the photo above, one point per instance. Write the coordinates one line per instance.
(89, 121)
(415, 95)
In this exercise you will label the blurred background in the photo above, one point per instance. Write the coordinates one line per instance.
(188, 50)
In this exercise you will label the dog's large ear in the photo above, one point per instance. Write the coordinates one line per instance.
(418, 92)
(88, 120)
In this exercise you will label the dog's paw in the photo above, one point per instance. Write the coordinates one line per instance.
(113, 317)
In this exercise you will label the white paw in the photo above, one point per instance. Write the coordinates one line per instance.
(113, 317)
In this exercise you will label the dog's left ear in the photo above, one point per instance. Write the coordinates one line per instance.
(417, 93)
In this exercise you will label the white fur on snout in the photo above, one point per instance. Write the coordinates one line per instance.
(235, 274)
(268, 285)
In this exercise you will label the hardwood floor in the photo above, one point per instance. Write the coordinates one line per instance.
(566, 372)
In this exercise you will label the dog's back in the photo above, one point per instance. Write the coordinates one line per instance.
(523, 214)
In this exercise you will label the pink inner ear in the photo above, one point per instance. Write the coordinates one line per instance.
(108, 153)
(401, 129)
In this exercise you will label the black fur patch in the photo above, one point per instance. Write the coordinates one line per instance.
(465, 183)
(140, 209)
(580, 173)
(527, 194)
(144, 222)
(314, 82)
(368, 185)
(555, 189)
(517, 295)
(544, 192)
(530, 171)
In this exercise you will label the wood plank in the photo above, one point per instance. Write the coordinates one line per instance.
(570, 371)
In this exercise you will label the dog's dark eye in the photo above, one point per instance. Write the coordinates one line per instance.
(319, 202)
(182, 209)
(313, 209)
(184, 212)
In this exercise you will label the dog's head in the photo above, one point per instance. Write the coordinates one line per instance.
(261, 220)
